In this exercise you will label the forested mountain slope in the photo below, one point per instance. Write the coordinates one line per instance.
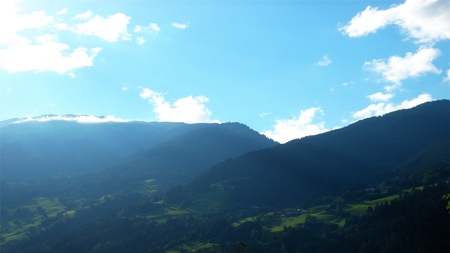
(183, 157)
(362, 154)
(87, 159)
(317, 194)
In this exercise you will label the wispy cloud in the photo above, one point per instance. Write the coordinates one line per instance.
(264, 114)
(297, 127)
(61, 12)
(324, 62)
(180, 26)
(383, 108)
(189, 109)
(85, 15)
(152, 29)
(347, 83)
(140, 40)
(447, 78)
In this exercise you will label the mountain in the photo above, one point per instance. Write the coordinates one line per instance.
(48, 148)
(360, 155)
(56, 157)
(32, 149)
(180, 159)
(374, 186)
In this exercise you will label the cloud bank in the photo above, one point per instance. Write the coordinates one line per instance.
(76, 118)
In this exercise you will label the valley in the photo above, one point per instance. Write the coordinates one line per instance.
(376, 185)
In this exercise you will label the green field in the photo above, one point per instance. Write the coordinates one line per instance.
(17, 222)
(28, 217)
(354, 209)
(194, 246)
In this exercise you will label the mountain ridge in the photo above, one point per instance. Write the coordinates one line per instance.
(34, 148)
(322, 163)
(274, 199)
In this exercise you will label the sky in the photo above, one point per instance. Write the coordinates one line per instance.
(287, 69)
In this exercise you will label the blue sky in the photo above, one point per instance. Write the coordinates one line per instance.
(287, 69)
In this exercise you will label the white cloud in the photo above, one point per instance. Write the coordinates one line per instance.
(264, 114)
(13, 23)
(412, 65)
(380, 97)
(447, 78)
(347, 83)
(383, 108)
(86, 15)
(288, 129)
(77, 118)
(39, 53)
(152, 27)
(61, 12)
(47, 54)
(110, 29)
(61, 26)
(426, 21)
(180, 26)
(140, 40)
(137, 29)
(324, 62)
(189, 109)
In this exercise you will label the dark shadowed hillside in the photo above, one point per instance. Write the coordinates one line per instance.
(185, 156)
(386, 141)
(93, 160)
(357, 156)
